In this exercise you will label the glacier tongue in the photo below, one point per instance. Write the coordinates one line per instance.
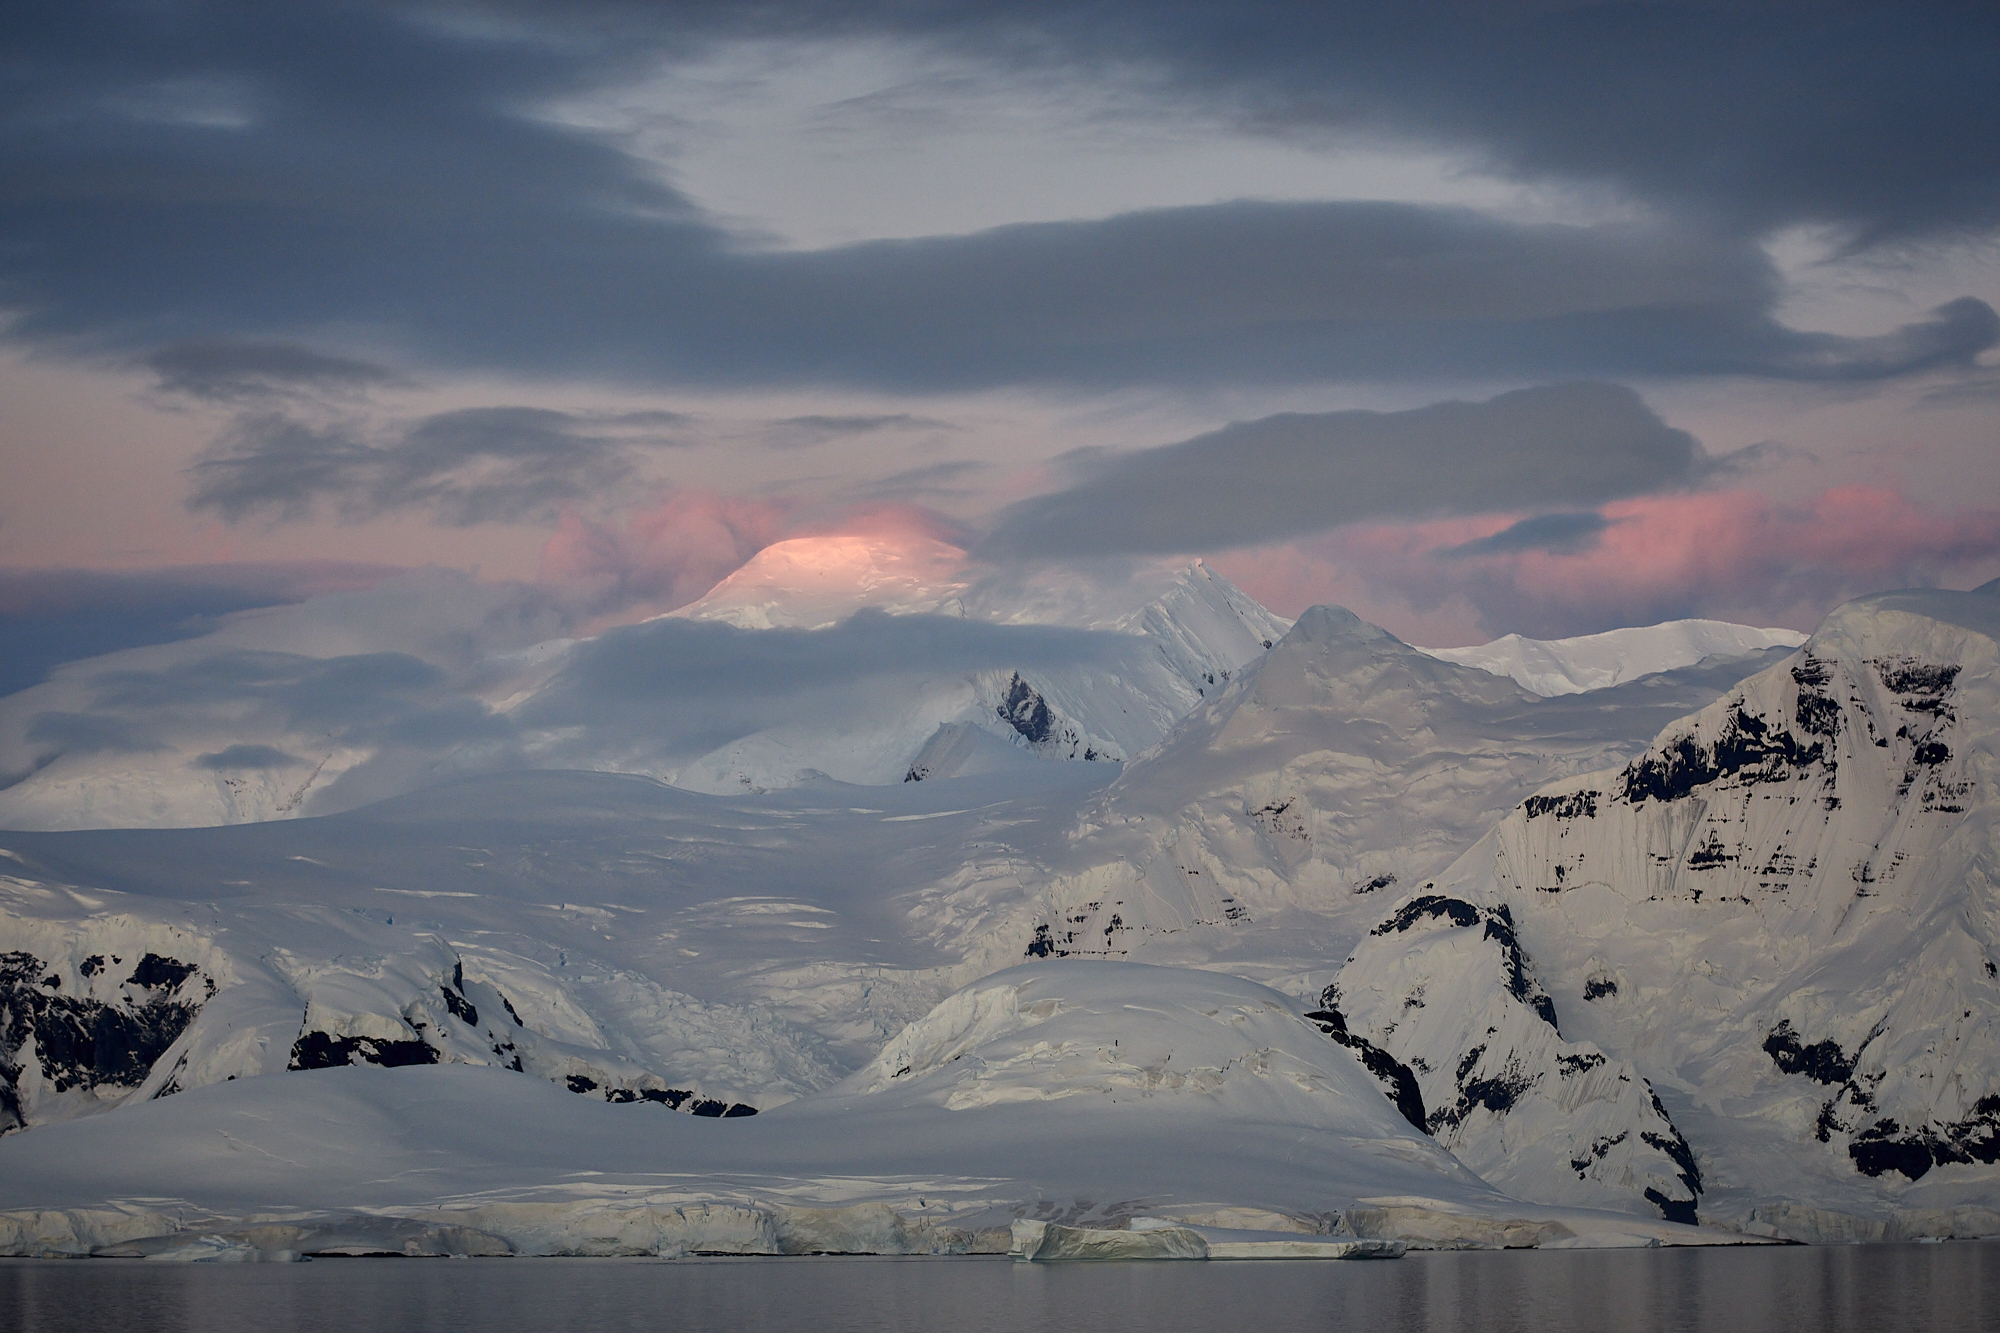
(1079, 1094)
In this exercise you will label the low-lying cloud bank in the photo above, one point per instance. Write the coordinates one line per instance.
(52, 616)
(1728, 555)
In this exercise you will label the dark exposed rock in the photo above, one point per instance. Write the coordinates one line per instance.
(1026, 711)
(1499, 927)
(1520, 984)
(78, 1042)
(1748, 746)
(1571, 805)
(1496, 1093)
(1823, 1061)
(1921, 686)
(1596, 1152)
(1674, 1210)
(1885, 1146)
(155, 972)
(1428, 907)
(321, 1050)
(459, 1006)
(1396, 1078)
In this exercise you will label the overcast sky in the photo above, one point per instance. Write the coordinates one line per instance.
(1544, 317)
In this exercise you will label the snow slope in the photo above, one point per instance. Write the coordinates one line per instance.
(1072, 1092)
(1267, 834)
(1595, 661)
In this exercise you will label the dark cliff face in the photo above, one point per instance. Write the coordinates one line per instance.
(1024, 709)
(80, 1042)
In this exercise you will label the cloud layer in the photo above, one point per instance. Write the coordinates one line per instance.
(662, 556)
(304, 173)
(473, 465)
(1728, 555)
(1286, 475)
(52, 616)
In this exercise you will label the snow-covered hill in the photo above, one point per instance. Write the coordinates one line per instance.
(1596, 661)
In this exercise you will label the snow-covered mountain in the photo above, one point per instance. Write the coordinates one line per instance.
(1783, 913)
(817, 582)
(1711, 944)
(1273, 826)
(867, 660)
(1597, 661)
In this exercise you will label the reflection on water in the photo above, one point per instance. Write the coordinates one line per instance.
(1770, 1290)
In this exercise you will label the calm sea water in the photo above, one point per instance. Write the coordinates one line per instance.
(1919, 1288)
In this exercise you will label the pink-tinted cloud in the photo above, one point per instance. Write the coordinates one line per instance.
(661, 557)
(888, 518)
(1731, 555)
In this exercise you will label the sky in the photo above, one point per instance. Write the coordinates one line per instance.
(1545, 317)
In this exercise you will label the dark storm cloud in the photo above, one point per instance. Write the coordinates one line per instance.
(1288, 475)
(1561, 533)
(226, 371)
(475, 465)
(1876, 118)
(185, 174)
(52, 616)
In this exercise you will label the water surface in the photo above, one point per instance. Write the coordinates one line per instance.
(1945, 1288)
